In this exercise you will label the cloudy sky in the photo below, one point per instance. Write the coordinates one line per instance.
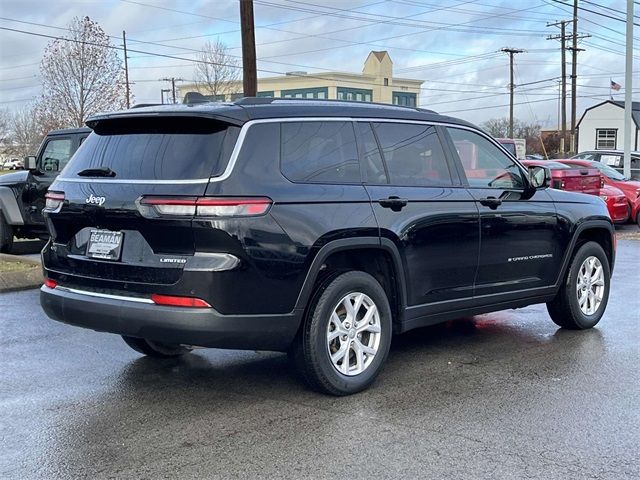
(453, 45)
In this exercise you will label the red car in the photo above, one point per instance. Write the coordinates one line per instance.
(630, 188)
(616, 203)
(564, 177)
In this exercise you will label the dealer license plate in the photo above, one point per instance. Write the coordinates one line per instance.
(104, 244)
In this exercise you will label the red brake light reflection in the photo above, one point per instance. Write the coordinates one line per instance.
(176, 301)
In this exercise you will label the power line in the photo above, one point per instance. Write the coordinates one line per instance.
(601, 14)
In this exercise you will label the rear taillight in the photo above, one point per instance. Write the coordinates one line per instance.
(562, 185)
(206, 206)
(175, 301)
(50, 283)
(53, 201)
(601, 182)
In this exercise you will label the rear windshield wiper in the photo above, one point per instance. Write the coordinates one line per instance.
(97, 172)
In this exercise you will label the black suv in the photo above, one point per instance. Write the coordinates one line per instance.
(319, 228)
(22, 193)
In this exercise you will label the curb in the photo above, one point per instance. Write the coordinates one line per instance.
(14, 281)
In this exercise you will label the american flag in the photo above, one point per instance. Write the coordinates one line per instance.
(615, 86)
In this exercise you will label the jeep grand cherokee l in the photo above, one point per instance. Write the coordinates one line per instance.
(319, 228)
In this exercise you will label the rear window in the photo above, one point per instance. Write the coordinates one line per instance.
(157, 149)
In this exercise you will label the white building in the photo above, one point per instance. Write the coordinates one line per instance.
(601, 127)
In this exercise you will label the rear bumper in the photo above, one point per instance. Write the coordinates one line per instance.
(190, 326)
(619, 210)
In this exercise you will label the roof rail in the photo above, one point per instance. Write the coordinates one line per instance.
(268, 100)
(254, 100)
(142, 105)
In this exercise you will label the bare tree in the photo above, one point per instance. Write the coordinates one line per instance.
(219, 72)
(5, 132)
(499, 128)
(82, 75)
(26, 132)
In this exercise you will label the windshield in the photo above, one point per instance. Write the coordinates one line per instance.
(156, 149)
(608, 171)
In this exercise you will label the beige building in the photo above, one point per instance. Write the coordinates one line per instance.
(375, 84)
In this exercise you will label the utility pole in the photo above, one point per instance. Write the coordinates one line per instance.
(249, 72)
(126, 66)
(511, 52)
(173, 81)
(574, 74)
(563, 76)
(628, 103)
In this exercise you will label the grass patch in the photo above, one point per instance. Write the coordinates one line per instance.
(629, 235)
(6, 267)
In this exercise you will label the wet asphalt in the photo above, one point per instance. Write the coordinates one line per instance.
(503, 395)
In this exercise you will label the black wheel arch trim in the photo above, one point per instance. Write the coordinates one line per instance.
(9, 206)
(355, 243)
(586, 225)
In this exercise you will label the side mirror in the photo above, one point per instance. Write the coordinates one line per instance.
(539, 177)
(30, 163)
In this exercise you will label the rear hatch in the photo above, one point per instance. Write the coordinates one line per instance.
(102, 225)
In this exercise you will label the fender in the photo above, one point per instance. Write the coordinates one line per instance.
(353, 244)
(586, 225)
(9, 207)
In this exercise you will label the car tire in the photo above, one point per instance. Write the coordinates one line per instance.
(583, 296)
(340, 351)
(6, 235)
(155, 349)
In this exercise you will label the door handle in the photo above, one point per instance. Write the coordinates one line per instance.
(394, 203)
(491, 202)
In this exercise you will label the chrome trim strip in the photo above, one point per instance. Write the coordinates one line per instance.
(243, 133)
(105, 295)
(133, 181)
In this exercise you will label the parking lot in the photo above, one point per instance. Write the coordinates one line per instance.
(503, 395)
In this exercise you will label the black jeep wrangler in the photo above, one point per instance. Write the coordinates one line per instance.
(22, 193)
(319, 228)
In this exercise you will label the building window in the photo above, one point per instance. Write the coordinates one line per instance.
(386, 82)
(606, 138)
(236, 96)
(355, 94)
(316, 93)
(266, 93)
(405, 99)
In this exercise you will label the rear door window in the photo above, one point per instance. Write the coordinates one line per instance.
(319, 152)
(413, 154)
(157, 149)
